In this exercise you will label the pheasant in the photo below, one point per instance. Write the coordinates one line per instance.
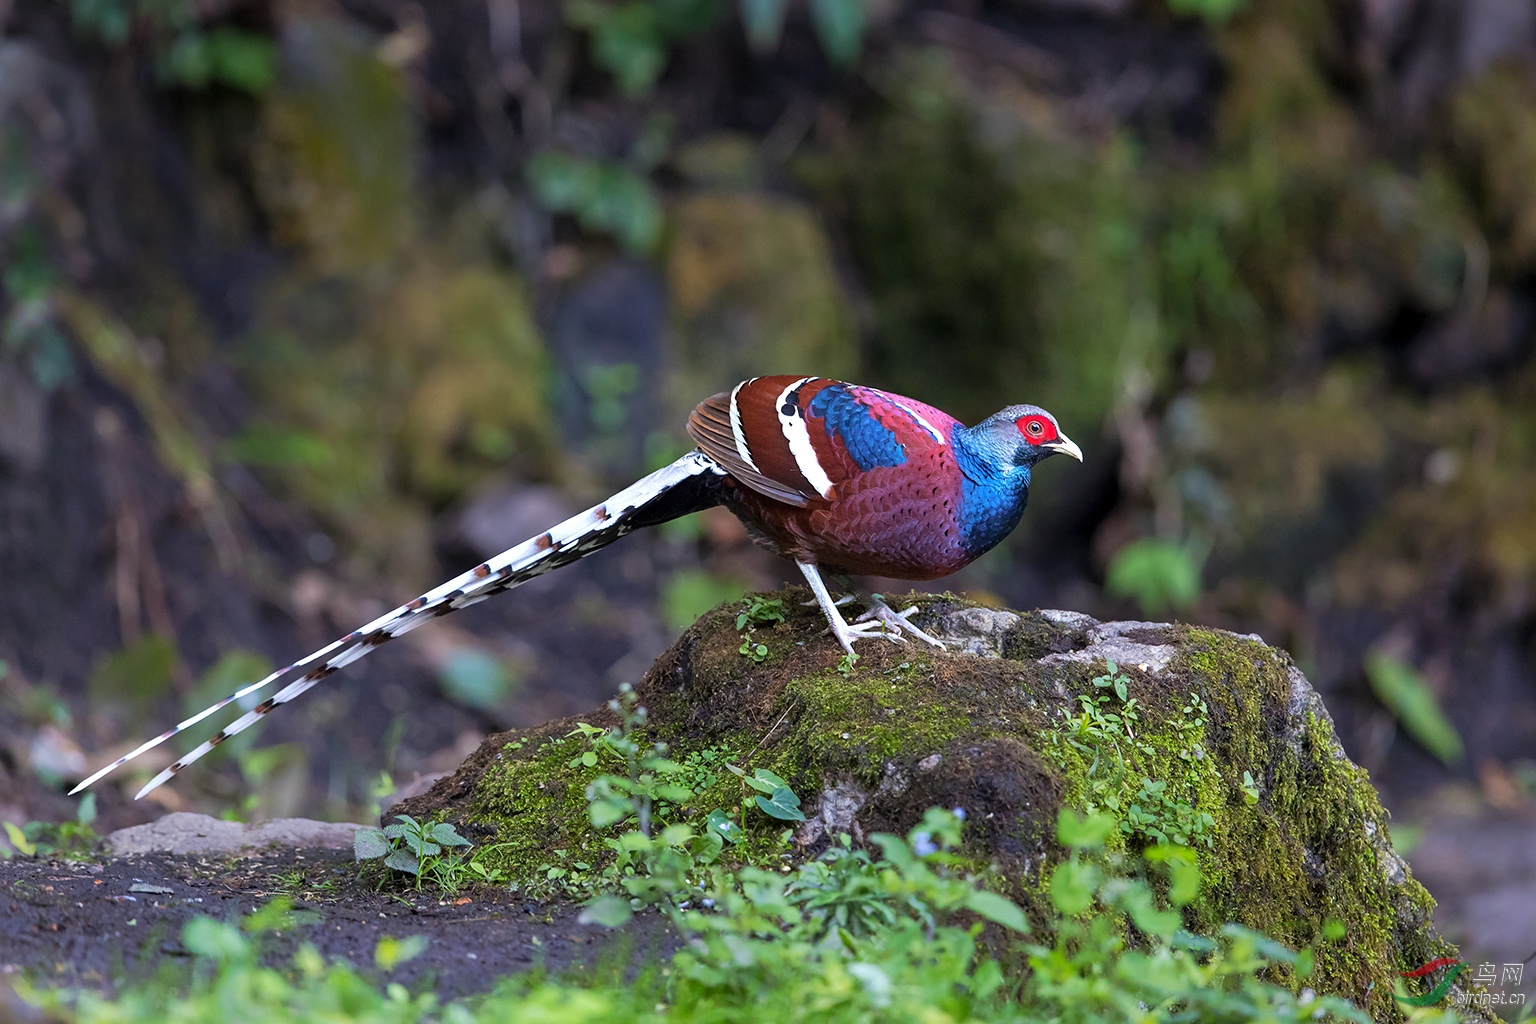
(828, 474)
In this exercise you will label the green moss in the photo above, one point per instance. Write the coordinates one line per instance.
(855, 724)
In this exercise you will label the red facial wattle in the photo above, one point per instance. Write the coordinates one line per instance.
(1037, 429)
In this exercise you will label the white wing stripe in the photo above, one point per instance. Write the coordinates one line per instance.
(799, 438)
(918, 417)
(741, 438)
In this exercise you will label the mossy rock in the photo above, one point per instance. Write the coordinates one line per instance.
(981, 725)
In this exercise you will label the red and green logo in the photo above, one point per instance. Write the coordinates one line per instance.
(1437, 993)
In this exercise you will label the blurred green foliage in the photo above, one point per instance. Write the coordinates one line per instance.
(224, 56)
(187, 55)
(1159, 574)
(1409, 697)
(630, 39)
(1001, 264)
(234, 670)
(689, 594)
(137, 675)
(112, 20)
(477, 679)
(754, 290)
(29, 334)
(603, 196)
(334, 162)
(1211, 10)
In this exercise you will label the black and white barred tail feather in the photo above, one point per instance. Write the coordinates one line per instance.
(687, 485)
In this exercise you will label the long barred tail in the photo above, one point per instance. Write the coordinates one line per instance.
(687, 485)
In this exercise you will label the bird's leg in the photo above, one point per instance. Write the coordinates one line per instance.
(879, 611)
(845, 633)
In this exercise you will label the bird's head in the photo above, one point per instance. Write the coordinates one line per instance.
(1022, 435)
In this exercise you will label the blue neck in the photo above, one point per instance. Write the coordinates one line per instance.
(993, 490)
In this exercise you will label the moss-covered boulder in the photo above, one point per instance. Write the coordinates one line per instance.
(1184, 734)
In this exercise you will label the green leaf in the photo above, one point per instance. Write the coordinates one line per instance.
(446, 834)
(721, 824)
(706, 847)
(1083, 833)
(392, 952)
(225, 56)
(476, 679)
(673, 794)
(783, 805)
(1135, 898)
(403, 860)
(1157, 573)
(589, 759)
(1406, 694)
(205, 937)
(19, 839)
(1073, 884)
(1183, 872)
(369, 844)
(997, 908)
(840, 26)
(607, 812)
(896, 851)
(773, 780)
(608, 911)
(627, 42)
(1333, 929)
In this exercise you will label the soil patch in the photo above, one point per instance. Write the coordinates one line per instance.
(100, 925)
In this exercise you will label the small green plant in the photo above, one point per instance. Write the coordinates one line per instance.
(845, 664)
(845, 938)
(646, 783)
(774, 797)
(1103, 733)
(760, 611)
(69, 840)
(1251, 790)
(424, 850)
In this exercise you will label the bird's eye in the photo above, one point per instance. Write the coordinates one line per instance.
(1035, 428)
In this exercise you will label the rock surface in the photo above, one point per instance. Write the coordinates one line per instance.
(1201, 736)
(186, 834)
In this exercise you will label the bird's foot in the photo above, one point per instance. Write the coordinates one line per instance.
(845, 599)
(848, 633)
(882, 614)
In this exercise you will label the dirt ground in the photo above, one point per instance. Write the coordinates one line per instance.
(99, 924)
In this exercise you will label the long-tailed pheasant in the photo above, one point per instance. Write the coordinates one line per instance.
(828, 474)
